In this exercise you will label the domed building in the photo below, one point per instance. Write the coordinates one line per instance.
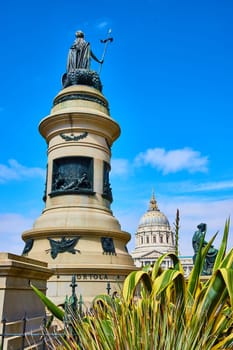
(154, 237)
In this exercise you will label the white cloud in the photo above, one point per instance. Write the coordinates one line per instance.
(195, 187)
(192, 212)
(16, 171)
(102, 24)
(119, 167)
(166, 161)
(213, 186)
(12, 226)
(173, 161)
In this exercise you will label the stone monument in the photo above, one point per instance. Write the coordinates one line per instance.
(77, 233)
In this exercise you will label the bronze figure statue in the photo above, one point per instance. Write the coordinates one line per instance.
(78, 71)
(80, 54)
(211, 254)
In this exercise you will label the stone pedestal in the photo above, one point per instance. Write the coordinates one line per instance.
(77, 232)
(22, 312)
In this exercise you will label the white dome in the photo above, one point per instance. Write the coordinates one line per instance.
(154, 236)
(153, 216)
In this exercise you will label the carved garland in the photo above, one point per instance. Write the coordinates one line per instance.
(73, 137)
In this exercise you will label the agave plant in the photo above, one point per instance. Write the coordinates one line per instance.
(161, 309)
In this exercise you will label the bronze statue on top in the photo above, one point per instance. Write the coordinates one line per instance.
(78, 63)
(80, 54)
(211, 254)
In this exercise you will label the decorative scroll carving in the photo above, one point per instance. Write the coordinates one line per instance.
(64, 245)
(108, 245)
(28, 246)
(73, 137)
(72, 175)
(107, 191)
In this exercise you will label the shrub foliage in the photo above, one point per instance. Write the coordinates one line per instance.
(161, 309)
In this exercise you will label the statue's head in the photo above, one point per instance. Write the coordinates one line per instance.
(79, 34)
(202, 227)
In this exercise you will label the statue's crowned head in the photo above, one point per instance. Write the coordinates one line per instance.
(79, 34)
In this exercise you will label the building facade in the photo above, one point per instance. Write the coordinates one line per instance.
(154, 237)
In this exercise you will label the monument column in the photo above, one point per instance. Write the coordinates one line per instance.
(77, 233)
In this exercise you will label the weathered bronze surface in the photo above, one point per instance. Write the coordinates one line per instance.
(107, 191)
(211, 254)
(64, 245)
(108, 245)
(78, 64)
(72, 174)
(73, 137)
(82, 77)
(79, 54)
(28, 246)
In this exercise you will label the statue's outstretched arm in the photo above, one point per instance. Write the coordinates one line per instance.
(95, 58)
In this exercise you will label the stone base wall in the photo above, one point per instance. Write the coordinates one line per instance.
(21, 311)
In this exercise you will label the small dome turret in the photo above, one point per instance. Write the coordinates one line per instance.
(154, 236)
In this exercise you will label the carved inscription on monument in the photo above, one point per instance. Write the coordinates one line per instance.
(100, 277)
(72, 175)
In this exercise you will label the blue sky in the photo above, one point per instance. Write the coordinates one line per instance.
(168, 77)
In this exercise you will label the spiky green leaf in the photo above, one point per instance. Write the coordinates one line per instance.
(131, 283)
(54, 309)
(222, 250)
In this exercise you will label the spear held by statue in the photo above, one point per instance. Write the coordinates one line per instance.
(105, 42)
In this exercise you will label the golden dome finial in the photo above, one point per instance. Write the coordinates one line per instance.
(153, 203)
